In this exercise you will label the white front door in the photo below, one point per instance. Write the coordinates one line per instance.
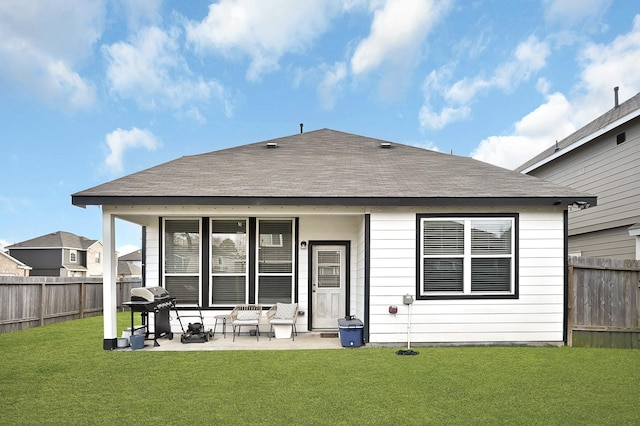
(328, 285)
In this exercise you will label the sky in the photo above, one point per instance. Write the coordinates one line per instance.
(94, 90)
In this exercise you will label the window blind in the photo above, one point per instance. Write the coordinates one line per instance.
(443, 237)
(182, 246)
(276, 247)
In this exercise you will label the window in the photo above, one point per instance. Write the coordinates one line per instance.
(467, 257)
(228, 262)
(97, 257)
(275, 261)
(182, 260)
(73, 256)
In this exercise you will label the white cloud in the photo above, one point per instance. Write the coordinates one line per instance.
(439, 120)
(571, 12)
(397, 32)
(331, 84)
(394, 45)
(151, 71)
(262, 30)
(139, 13)
(121, 140)
(41, 63)
(603, 67)
(528, 58)
(430, 145)
(606, 66)
(534, 133)
(126, 249)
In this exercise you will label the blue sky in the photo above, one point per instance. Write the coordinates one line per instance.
(93, 90)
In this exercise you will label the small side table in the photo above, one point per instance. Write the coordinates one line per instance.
(224, 319)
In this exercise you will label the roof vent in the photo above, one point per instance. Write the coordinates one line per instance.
(385, 145)
(272, 144)
(615, 97)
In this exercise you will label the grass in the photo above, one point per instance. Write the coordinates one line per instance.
(59, 374)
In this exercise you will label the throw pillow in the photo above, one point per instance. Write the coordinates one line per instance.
(247, 315)
(285, 310)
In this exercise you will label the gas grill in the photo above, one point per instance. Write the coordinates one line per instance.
(156, 301)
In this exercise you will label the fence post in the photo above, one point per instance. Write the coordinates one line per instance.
(570, 307)
(42, 291)
(82, 299)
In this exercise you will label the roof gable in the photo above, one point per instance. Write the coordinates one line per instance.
(59, 239)
(319, 167)
(613, 118)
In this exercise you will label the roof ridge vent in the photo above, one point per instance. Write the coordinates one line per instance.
(385, 145)
(272, 144)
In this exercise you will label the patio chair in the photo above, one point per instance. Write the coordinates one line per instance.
(246, 315)
(283, 314)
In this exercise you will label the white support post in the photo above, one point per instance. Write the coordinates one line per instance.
(109, 294)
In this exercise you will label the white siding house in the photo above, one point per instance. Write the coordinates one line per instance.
(349, 225)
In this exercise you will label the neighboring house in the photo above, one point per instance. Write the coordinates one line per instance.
(130, 265)
(60, 254)
(348, 225)
(602, 158)
(10, 266)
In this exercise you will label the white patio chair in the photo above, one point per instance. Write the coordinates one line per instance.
(246, 315)
(283, 314)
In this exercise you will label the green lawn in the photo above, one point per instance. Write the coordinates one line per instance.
(59, 374)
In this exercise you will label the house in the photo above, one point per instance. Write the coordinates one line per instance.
(602, 158)
(349, 225)
(60, 254)
(12, 267)
(130, 265)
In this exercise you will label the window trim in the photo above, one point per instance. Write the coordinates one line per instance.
(211, 219)
(166, 274)
(73, 256)
(420, 295)
(291, 274)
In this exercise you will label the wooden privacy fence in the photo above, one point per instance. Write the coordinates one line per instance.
(33, 301)
(604, 302)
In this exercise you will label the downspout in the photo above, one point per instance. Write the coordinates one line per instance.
(367, 276)
(565, 252)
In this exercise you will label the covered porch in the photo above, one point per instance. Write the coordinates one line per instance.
(312, 256)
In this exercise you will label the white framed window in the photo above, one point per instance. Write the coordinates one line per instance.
(182, 259)
(275, 261)
(229, 267)
(73, 256)
(472, 256)
(98, 257)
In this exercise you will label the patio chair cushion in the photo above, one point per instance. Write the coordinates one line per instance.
(285, 310)
(247, 316)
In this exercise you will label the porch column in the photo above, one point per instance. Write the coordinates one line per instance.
(109, 281)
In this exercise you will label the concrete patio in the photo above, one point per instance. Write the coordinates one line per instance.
(303, 341)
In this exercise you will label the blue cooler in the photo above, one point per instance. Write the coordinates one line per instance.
(350, 332)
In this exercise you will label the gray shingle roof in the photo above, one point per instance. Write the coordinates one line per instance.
(614, 114)
(59, 239)
(320, 167)
(131, 257)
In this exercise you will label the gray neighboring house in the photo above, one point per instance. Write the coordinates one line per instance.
(344, 224)
(60, 254)
(602, 158)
